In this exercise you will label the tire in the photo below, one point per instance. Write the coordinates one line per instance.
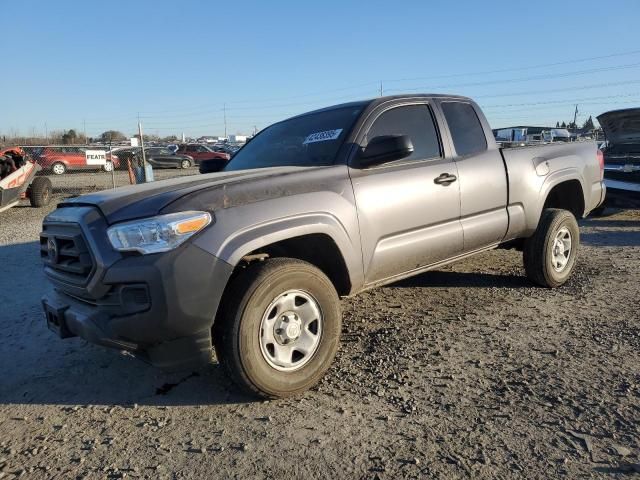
(58, 168)
(108, 167)
(545, 262)
(185, 164)
(243, 347)
(40, 192)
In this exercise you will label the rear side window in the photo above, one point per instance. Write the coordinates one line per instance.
(412, 120)
(465, 127)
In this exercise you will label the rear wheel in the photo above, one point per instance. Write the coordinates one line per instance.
(279, 328)
(550, 254)
(40, 192)
(58, 168)
(185, 164)
(108, 167)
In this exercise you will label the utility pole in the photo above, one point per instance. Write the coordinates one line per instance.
(575, 117)
(224, 112)
(144, 159)
(84, 128)
(381, 89)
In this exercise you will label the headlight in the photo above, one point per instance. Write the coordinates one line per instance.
(157, 234)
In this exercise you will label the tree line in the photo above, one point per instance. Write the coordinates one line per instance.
(73, 137)
(588, 125)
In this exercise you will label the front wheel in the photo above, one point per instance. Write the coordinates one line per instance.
(108, 167)
(185, 164)
(550, 254)
(279, 330)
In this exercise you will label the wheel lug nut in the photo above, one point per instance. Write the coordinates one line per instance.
(278, 331)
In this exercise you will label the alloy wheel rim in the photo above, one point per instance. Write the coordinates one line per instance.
(561, 249)
(58, 169)
(290, 330)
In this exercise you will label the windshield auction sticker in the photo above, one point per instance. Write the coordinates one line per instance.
(323, 136)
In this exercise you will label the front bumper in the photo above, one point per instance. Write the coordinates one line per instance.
(159, 307)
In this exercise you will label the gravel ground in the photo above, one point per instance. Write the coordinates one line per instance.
(468, 371)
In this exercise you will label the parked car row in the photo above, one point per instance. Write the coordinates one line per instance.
(62, 159)
(59, 160)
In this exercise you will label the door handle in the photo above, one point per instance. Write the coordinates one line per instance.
(445, 179)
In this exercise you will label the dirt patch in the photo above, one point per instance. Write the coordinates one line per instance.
(469, 371)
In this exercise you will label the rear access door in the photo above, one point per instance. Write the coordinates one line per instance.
(482, 175)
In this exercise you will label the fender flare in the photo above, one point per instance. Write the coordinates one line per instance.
(550, 182)
(244, 241)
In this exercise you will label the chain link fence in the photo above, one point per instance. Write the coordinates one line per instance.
(79, 169)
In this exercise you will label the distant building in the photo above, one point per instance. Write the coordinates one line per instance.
(208, 139)
(527, 133)
(520, 133)
(238, 138)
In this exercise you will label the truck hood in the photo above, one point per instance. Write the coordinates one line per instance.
(621, 126)
(145, 200)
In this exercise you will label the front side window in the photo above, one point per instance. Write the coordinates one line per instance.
(416, 122)
(465, 127)
(309, 140)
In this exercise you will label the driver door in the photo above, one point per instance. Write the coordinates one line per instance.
(408, 219)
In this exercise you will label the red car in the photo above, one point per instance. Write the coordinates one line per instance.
(202, 152)
(61, 159)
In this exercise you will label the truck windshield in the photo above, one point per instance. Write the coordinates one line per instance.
(307, 141)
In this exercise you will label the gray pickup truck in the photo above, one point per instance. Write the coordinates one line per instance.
(252, 261)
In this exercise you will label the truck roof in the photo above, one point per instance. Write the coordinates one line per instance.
(372, 102)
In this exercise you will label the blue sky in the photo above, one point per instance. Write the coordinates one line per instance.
(179, 64)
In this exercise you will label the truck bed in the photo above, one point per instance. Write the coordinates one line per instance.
(532, 168)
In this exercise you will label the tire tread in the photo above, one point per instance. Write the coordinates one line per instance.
(536, 247)
(226, 328)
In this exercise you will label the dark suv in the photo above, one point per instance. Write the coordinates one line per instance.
(202, 152)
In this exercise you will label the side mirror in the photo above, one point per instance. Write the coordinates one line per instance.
(385, 148)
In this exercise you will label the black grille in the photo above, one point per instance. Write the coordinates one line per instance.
(65, 254)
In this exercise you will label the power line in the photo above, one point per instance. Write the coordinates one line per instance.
(491, 82)
(516, 69)
(556, 90)
(466, 74)
(550, 102)
(522, 79)
(257, 104)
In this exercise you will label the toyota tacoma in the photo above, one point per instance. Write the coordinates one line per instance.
(251, 262)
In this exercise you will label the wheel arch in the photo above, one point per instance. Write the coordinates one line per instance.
(563, 190)
(318, 238)
(566, 195)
